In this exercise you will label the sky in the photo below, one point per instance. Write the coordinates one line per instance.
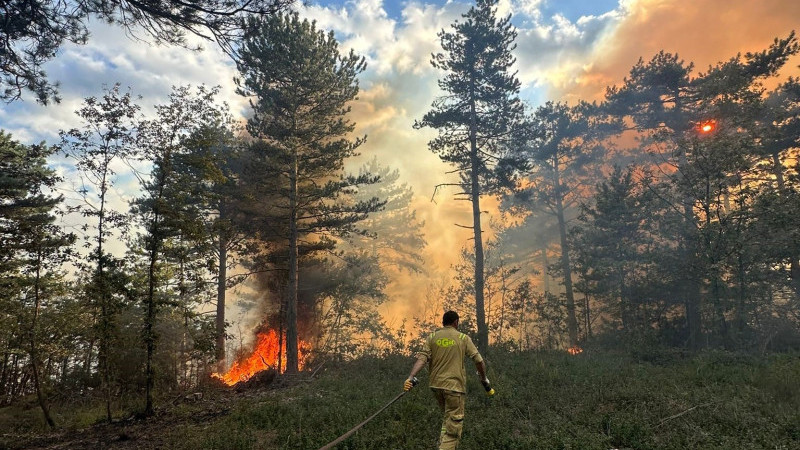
(566, 50)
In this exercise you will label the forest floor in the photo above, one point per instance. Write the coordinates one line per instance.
(545, 400)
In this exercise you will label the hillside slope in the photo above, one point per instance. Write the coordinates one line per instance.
(544, 401)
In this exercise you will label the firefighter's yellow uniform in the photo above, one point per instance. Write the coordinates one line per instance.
(444, 352)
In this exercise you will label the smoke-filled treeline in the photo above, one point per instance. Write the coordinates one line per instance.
(664, 213)
(129, 306)
(669, 210)
(667, 213)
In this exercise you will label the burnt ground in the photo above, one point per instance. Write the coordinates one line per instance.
(187, 412)
(151, 433)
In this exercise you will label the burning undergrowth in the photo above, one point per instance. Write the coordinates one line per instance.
(266, 356)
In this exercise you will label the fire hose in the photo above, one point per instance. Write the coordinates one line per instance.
(414, 381)
(357, 427)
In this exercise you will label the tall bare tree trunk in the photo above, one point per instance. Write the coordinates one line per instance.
(503, 291)
(281, 332)
(149, 326)
(4, 378)
(14, 379)
(475, 196)
(794, 264)
(689, 253)
(688, 241)
(150, 304)
(222, 275)
(740, 320)
(572, 320)
(624, 306)
(292, 365)
(33, 351)
(588, 316)
(545, 276)
(105, 313)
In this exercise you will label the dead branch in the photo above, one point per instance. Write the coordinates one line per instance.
(683, 412)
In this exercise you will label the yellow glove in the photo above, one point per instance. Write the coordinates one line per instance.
(410, 383)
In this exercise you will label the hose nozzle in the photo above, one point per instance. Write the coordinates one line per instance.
(488, 387)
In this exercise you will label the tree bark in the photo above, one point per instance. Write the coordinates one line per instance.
(794, 264)
(741, 304)
(624, 307)
(13, 379)
(292, 364)
(222, 275)
(4, 379)
(150, 304)
(475, 195)
(588, 315)
(105, 313)
(504, 290)
(33, 351)
(688, 242)
(281, 332)
(545, 276)
(149, 323)
(572, 321)
(691, 283)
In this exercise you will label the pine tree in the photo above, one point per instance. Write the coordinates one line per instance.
(216, 160)
(300, 88)
(394, 233)
(107, 138)
(620, 250)
(564, 148)
(172, 202)
(32, 32)
(776, 125)
(33, 247)
(478, 118)
(668, 105)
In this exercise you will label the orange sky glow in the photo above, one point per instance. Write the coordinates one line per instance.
(704, 32)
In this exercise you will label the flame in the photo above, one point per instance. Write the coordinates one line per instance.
(264, 356)
(574, 350)
(707, 126)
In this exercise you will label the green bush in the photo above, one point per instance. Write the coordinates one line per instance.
(545, 400)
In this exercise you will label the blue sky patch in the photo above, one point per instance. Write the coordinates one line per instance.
(571, 9)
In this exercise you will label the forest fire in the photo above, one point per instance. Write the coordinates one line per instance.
(263, 357)
(574, 350)
(708, 126)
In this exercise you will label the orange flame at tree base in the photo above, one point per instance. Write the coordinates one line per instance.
(264, 356)
(575, 350)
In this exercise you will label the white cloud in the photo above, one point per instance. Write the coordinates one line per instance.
(552, 54)
(397, 51)
(108, 58)
(397, 88)
(531, 8)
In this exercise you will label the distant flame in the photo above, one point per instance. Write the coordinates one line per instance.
(574, 350)
(264, 356)
(708, 126)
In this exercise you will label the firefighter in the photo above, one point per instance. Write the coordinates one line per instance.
(444, 351)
